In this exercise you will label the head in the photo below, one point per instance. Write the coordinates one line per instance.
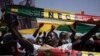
(39, 41)
(63, 35)
(63, 38)
(77, 37)
(52, 39)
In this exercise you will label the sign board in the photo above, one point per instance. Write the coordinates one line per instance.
(40, 13)
(62, 52)
(87, 18)
(52, 14)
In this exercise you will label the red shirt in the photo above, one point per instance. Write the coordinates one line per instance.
(60, 52)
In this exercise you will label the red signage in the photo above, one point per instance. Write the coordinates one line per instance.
(87, 18)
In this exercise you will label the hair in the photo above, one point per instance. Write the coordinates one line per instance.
(50, 34)
(63, 35)
(63, 38)
(39, 41)
(52, 41)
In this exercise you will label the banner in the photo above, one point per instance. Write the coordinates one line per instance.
(59, 15)
(41, 13)
(61, 52)
(52, 14)
(49, 16)
(90, 53)
(87, 19)
(81, 53)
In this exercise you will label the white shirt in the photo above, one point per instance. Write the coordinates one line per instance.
(63, 47)
(36, 47)
(67, 46)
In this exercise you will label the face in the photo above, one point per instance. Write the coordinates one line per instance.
(40, 41)
(52, 39)
(63, 41)
(63, 37)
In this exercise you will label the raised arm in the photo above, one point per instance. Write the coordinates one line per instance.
(90, 33)
(26, 44)
(52, 28)
(37, 30)
(87, 36)
(73, 33)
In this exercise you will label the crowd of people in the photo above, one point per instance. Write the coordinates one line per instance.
(87, 42)
(46, 41)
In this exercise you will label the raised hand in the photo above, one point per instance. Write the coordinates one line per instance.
(52, 27)
(40, 25)
(72, 29)
(36, 32)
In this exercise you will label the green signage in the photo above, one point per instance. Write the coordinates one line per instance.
(25, 11)
(40, 13)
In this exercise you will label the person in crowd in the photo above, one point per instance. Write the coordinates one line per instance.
(44, 37)
(38, 47)
(7, 37)
(2, 22)
(63, 38)
(38, 35)
(52, 29)
(11, 24)
(77, 44)
(84, 44)
(37, 30)
(52, 39)
(96, 43)
(39, 41)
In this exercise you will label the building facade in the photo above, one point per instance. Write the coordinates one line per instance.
(3, 3)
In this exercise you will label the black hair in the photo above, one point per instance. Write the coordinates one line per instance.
(3, 10)
(62, 34)
(52, 42)
(50, 34)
